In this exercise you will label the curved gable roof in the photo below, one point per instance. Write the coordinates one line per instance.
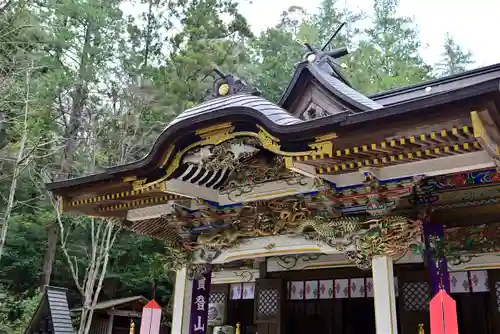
(333, 81)
(243, 106)
(256, 110)
(266, 109)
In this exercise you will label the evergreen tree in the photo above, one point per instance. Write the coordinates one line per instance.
(277, 51)
(454, 59)
(390, 53)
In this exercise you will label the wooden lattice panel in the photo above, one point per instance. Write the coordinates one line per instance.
(497, 291)
(268, 302)
(268, 299)
(217, 297)
(416, 296)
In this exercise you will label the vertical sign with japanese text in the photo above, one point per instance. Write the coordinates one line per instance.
(199, 304)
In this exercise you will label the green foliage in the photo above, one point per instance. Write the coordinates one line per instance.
(454, 59)
(16, 312)
(21, 263)
(392, 47)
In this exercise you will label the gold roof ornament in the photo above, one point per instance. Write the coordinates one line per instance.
(223, 89)
(226, 84)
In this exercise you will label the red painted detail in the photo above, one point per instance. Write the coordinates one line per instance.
(443, 314)
(152, 304)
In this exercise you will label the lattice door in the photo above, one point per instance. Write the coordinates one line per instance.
(416, 296)
(413, 300)
(268, 301)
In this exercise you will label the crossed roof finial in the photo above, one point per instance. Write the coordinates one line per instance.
(315, 54)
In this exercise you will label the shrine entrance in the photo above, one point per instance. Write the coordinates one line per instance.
(330, 306)
(333, 316)
(472, 312)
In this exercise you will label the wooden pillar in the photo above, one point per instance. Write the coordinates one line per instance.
(384, 295)
(182, 302)
(110, 324)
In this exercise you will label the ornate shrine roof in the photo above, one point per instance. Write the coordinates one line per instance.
(237, 166)
(322, 68)
(469, 88)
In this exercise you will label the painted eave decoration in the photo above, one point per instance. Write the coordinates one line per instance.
(238, 167)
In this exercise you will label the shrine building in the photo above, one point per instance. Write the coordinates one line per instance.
(330, 212)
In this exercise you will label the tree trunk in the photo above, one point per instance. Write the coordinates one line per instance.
(50, 254)
(4, 222)
(74, 124)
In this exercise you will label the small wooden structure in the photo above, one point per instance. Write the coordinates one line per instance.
(114, 316)
(52, 315)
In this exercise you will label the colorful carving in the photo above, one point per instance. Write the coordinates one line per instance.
(247, 163)
(428, 191)
(373, 196)
(391, 235)
(246, 176)
(461, 244)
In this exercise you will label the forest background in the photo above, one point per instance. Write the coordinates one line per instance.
(84, 85)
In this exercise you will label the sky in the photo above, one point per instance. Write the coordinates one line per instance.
(473, 24)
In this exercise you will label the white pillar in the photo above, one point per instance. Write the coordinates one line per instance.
(384, 296)
(182, 303)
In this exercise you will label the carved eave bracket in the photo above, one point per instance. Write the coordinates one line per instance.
(221, 148)
(487, 134)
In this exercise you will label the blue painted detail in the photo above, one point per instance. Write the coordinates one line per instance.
(205, 228)
(381, 182)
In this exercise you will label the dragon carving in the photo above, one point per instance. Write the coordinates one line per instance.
(390, 235)
(393, 236)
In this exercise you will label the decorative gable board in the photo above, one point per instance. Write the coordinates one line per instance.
(315, 102)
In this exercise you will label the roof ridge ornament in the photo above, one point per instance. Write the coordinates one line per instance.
(226, 84)
(328, 60)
